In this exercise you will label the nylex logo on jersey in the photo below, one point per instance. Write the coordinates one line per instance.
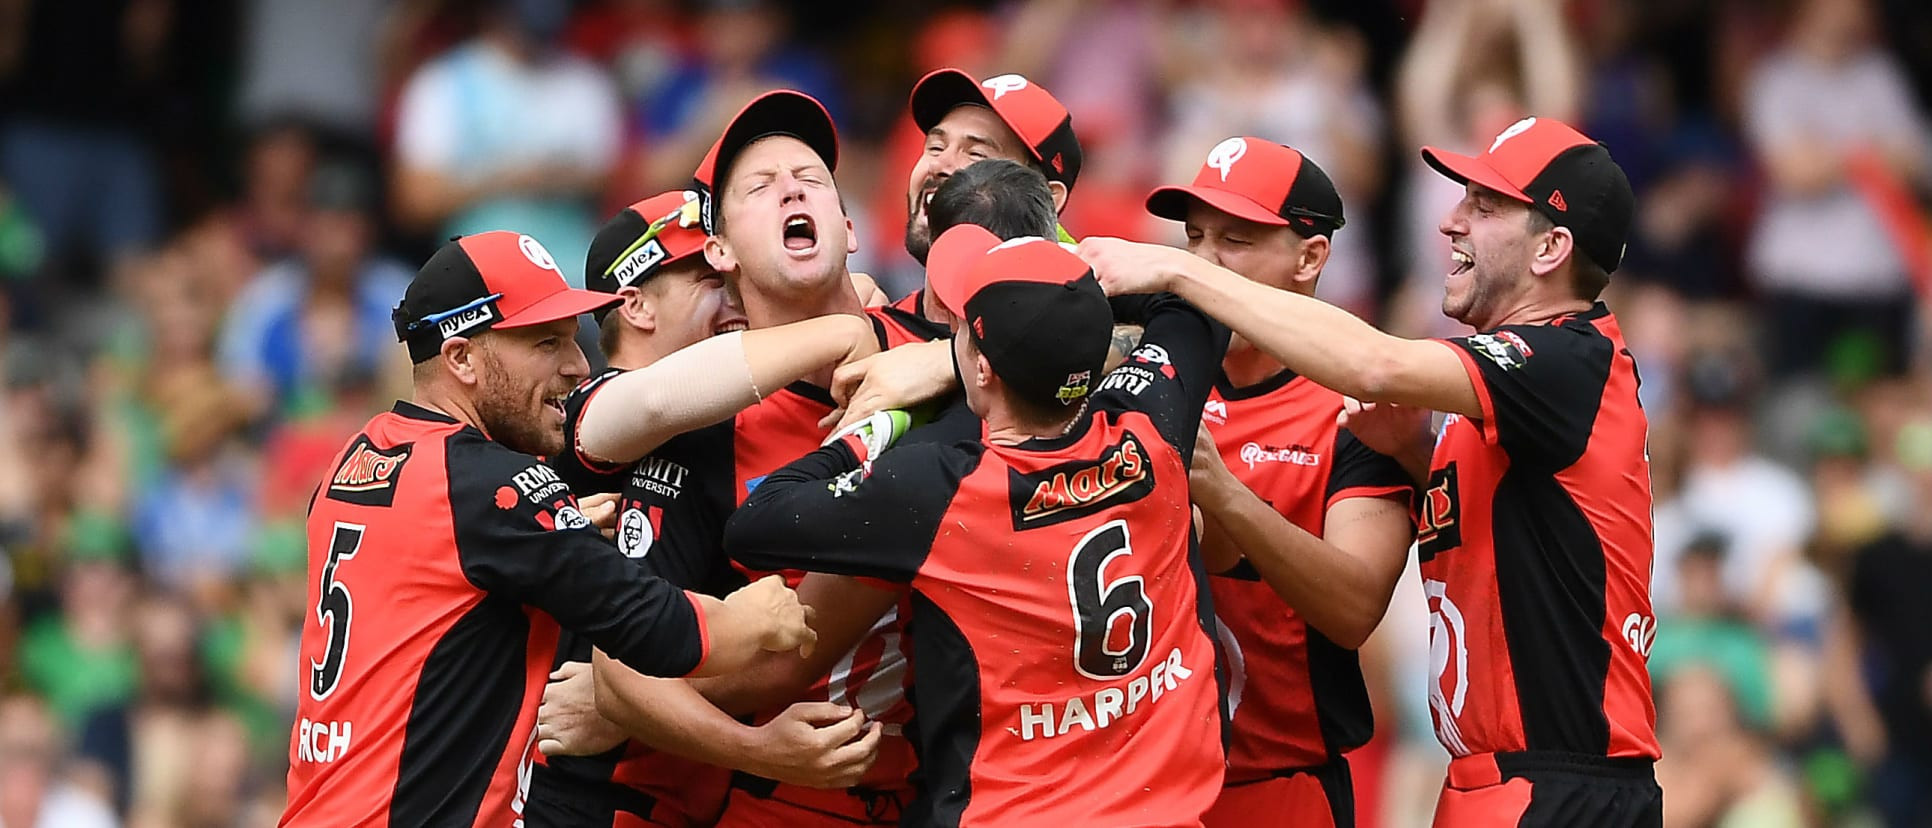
(368, 475)
(1297, 455)
(1063, 492)
(1107, 706)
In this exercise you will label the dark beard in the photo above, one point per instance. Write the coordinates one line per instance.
(918, 239)
(500, 409)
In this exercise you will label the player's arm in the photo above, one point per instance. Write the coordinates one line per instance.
(819, 744)
(844, 610)
(1339, 582)
(831, 511)
(1311, 337)
(635, 412)
(1178, 357)
(902, 377)
(520, 536)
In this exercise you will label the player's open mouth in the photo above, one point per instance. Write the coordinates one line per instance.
(1462, 262)
(555, 404)
(801, 234)
(924, 202)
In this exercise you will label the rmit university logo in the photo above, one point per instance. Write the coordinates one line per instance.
(367, 475)
(1070, 490)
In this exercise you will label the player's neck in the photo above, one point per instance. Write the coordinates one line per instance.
(769, 311)
(1004, 429)
(1247, 365)
(1538, 310)
(455, 406)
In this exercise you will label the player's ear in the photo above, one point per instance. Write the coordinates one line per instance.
(982, 372)
(851, 237)
(1311, 258)
(717, 253)
(459, 356)
(1552, 250)
(638, 309)
(1059, 192)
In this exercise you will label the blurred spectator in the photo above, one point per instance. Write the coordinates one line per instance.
(79, 80)
(1473, 68)
(1266, 68)
(742, 51)
(316, 61)
(1717, 771)
(1704, 630)
(1886, 719)
(306, 323)
(509, 130)
(1832, 121)
(79, 659)
(33, 790)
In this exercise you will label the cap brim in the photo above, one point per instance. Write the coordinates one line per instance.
(563, 304)
(1464, 169)
(1171, 203)
(950, 263)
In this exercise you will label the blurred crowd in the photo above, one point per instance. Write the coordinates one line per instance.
(208, 208)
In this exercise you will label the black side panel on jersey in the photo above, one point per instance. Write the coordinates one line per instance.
(688, 550)
(1550, 576)
(1341, 699)
(460, 719)
(945, 699)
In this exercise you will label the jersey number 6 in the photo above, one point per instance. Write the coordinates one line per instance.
(334, 611)
(1096, 606)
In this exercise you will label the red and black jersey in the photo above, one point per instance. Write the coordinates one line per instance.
(905, 321)
(441, 564)
(686, 489)
(631, 779)
(1297, 699)
(1535, 544)
(1062, 632)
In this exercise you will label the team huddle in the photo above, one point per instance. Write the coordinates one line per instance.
(1079, 533)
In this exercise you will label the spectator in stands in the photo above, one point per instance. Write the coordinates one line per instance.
(34, 790)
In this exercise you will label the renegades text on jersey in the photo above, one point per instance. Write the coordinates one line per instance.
(1296, 698)
(678, 502)
(442, 565)
(1535, 543)
(1066, 663)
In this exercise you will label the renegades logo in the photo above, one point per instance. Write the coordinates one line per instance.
(1060, 493)
(367, 475)
(1438, 527)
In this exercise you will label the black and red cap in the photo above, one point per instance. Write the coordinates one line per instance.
(497, 279)
(1027, 108)
(1261, 181)
(643, 239)
(778, 112)
(1034, 308)
(1561, 173)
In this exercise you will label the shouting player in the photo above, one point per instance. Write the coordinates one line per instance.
(1066, 665)
(652, 256)
(1534, 531)
(443, 555)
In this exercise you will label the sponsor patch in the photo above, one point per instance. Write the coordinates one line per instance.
(367, 475)
(1505, 349)
(469, 319)
(569, 518)
(1074, 388)
(640, 263)
(1215, 412)
(1295, 455)
(1068, 491)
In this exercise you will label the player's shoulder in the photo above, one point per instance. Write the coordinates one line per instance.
(901, 322)
(476, 460)
(589, 387)
(1551, 346)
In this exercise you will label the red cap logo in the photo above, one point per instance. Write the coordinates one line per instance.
(1556, 200)
(1003, 84)
(1224, 154)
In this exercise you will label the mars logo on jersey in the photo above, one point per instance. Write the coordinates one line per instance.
(368, 475)
(1060, 493)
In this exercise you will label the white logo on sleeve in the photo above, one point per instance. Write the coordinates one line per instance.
(1004, 84)
(1514, 130)
(1224, 154)
(533, 250)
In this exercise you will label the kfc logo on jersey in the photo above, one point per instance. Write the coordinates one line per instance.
(367, 475)
(569, 518)
(1071, 490)
(1151, 354)
(637, 530)
(1215, 412)
(1003, 84)
(1296, 455)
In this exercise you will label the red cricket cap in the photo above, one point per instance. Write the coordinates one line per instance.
(496, 279)
(1560, 173)
(643, 239)
(1261, 181)
(1033, 306)
(778, 112)
(1040, 120)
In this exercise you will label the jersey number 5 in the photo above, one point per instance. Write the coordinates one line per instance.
(1097, 606)
(333, 611)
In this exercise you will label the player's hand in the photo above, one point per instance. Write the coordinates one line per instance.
(1399, 431)
(1208, 478)
(567, 720)
(787, 623)
(818, 745)
(900, 378)
(1125, 267)
(601, 510)
(869, 291)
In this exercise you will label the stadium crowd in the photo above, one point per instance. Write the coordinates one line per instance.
(208, 209)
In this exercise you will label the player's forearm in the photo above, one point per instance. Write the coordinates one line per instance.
(844, 612)
(734, 636)
(670, 715)
(1320, 341)
(1331, 590)
(773, 679)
